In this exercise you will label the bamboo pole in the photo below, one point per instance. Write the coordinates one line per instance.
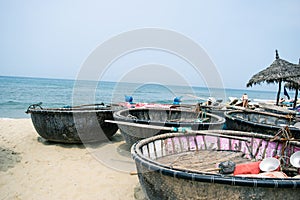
(172, 129)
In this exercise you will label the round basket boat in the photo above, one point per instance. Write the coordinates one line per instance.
(178, 166)
(262, 122)
(142, 123)
(80, 124)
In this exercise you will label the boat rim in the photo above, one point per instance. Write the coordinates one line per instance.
(68, 110)
(220, 120)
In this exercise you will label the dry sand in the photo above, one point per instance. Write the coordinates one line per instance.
(32, 168)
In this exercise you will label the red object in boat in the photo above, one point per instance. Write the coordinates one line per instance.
(247, 168)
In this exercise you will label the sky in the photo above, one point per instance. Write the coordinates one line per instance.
(53, 39)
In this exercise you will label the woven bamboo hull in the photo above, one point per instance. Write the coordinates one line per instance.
(246, 122)
(219, 112)
(161, 181)
(157, 186)
(133, 134)
(69, 126)
(161, 118)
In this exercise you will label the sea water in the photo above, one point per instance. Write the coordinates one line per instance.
(18, 93)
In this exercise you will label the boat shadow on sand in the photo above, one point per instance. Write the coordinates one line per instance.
(117, 139)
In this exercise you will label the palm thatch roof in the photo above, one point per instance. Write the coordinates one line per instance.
(280, 70)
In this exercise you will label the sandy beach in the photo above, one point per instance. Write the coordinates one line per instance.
(32, 168)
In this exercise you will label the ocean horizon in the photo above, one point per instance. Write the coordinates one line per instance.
(18, 93)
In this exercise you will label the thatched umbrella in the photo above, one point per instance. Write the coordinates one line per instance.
(280, 70)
